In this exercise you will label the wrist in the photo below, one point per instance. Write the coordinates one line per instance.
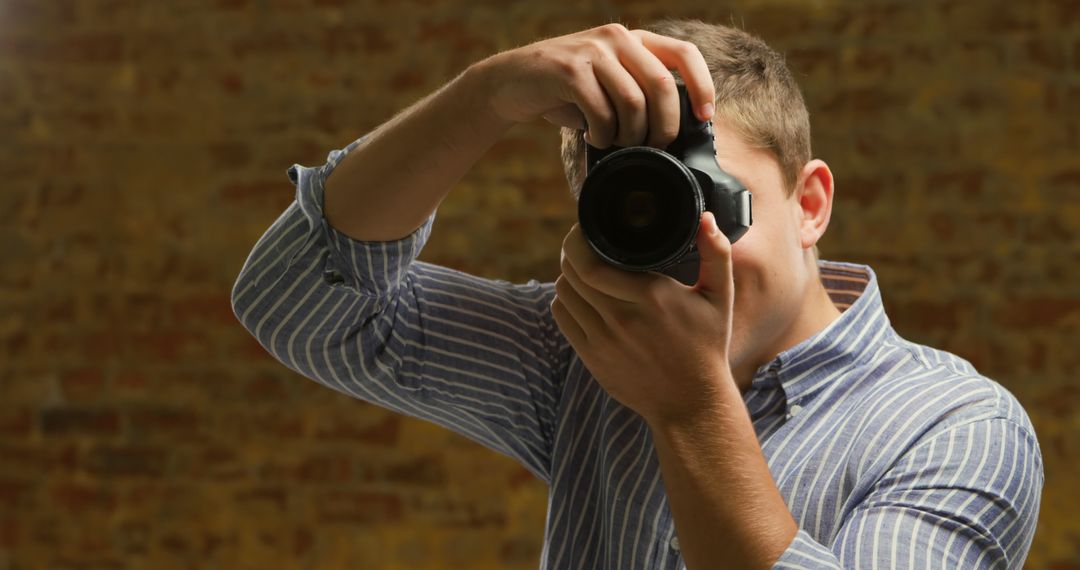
(481, 84)
(719, 400)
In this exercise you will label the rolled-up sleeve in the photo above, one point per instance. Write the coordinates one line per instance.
(369, 268)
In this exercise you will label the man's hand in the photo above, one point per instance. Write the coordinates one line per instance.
(617, 79)
(657, 346)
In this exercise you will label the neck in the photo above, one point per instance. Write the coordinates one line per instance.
(817, 311)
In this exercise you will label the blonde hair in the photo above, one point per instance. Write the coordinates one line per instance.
(756, 95)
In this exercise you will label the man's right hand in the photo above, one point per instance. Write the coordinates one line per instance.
(619, 80)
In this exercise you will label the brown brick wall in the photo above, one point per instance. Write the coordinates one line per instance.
(144, 148)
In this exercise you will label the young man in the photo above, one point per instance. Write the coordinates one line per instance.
(768, 415)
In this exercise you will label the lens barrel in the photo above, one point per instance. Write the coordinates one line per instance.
(640, 208)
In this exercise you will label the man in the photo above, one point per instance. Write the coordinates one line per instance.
(768, 415)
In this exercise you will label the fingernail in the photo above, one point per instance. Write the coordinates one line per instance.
(707, 110)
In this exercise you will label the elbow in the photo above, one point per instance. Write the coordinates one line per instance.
(237, 299)
(242, 297)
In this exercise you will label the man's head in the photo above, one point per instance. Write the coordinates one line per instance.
(763, 139)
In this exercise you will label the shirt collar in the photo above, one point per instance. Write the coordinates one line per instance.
(807, 367)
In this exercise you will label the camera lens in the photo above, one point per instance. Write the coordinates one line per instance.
(636, 216)
(639, 209)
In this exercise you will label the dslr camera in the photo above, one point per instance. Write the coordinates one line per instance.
(640, 207)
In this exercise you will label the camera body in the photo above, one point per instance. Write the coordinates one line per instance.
(640, 207)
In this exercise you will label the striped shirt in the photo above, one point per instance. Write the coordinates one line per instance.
(887, 453)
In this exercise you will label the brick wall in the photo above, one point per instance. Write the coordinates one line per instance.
(144, 148)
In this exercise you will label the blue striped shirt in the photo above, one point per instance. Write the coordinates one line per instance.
(888, 453)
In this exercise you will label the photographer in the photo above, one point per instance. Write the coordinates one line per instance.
(766, 415)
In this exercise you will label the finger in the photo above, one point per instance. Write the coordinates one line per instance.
(585, 315)
(569, 327)
(605, 305)
(629, 100)
(627, 286)
(566, 116)
(589, 96)
(660, 89)
(685, 56)
(715, 279)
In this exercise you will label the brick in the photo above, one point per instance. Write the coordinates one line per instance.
(132, 537)
(967, 183)
(519, 477)
(267, 389)
(348, 38)
(359, 507)
(174, 423)
(127, 461)
(324, 469)
(77, 499)
(232, 83)
(215, 462)
(266, 497)
(16, 423)
(1064, 14)
(276, 425)
(203, 309)
(33, 14)
(10, 533)
(385, 432)
(407, 80)
(863, 101)
(812, 60)
(258, 191)
(1039, 312)
(129, 382)
(172, 345)
(16, 494)
(24, 459)
(84, 384)
(176, 545)
(92, 47)
(80, 421)
(229, 154)
(274, 42)
(520, 550)
(1047, 53)
(425, 470)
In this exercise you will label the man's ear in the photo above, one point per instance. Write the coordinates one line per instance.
(814, 195)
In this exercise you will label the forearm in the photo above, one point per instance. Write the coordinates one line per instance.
(728, 512)
(387, 187)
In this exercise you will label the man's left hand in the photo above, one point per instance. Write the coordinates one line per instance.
(657, 346)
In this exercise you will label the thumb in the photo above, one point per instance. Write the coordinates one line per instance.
(715, 277)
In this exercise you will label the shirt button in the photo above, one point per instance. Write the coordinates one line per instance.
(333, 278)
(794, 410)
(675, 543)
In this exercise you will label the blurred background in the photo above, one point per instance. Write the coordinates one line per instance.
(143, 150)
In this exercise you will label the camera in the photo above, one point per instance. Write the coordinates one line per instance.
(640, 207)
